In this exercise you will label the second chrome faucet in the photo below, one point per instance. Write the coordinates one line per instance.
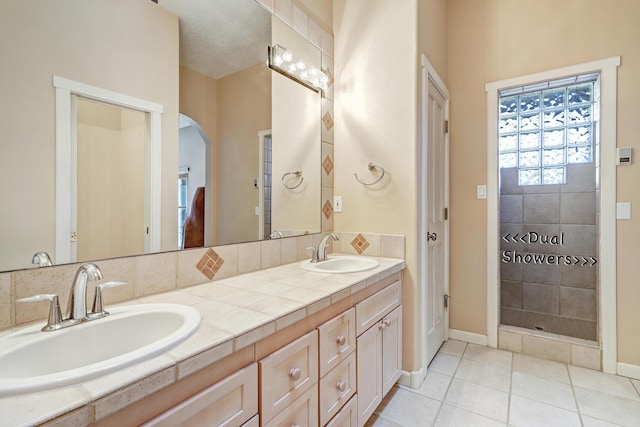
(320, 253)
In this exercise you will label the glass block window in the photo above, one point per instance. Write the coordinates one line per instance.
(546, 126)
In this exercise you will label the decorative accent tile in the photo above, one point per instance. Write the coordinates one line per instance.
(360, 244)
(327, 209)
(327, 120)
(327, 165)
(210, 263)
(329, 73)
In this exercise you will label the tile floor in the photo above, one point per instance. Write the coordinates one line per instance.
(471, 385)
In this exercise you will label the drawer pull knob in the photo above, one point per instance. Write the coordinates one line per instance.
(387, 322)
(381, 326)
(294, 373)
(295, 425)
(341, 385)
(341, 340)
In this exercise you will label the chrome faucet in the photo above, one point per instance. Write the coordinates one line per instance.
(42, 259)
(77, 307)
(320, 254)
(276, 235)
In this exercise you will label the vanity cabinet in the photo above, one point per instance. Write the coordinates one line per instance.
(230, 402)
(379, 348)
(347, 416)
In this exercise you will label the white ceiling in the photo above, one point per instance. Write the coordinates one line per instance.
(220, 37)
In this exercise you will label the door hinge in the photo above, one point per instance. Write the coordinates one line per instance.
(446, 301)
(446, 126)
(446, 214)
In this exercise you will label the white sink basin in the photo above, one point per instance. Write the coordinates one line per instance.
(341, 264)
(31, 360)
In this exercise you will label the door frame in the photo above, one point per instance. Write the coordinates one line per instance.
(607, 167)
(66, 160)
(428, 73)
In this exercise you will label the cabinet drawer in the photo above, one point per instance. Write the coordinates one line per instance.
(229, 402)
(337, 339)
(253, 422)
(288, 373)
(337, 387)
(303, 412)
(371, 310)
(347, 416)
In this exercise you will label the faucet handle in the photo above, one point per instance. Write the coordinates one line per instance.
(55, 314)
(314, 253)
(98, 310)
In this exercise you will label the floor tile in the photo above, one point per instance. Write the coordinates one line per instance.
(407, 408)
(594, 422)
(543, 390)
(450, 416)
(378, 421)
(444, 364)
(484, 374)
(608, 407)
(542, 368)
(524, 412)
(453, 347)
(605, 383)
(479, 399)
(434, 386)
(493, 356)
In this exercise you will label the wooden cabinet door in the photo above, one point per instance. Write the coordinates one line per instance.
(391, 349)
(369, 372)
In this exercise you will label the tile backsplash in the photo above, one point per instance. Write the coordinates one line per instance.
(159, 273)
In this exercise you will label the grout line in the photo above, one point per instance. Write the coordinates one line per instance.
(510, 389)
(573, 391)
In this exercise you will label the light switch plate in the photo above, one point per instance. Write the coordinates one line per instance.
(623, 210)
(482, 192)
(337, 203)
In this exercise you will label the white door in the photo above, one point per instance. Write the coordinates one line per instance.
(435, 218)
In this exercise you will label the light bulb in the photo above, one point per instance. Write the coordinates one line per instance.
(287, 56)
(301, 65)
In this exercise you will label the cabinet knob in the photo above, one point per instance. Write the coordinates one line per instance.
(387, 322)
(294, 373)
(381, 326)
(341, 385)
(341, 340)
(295, 425)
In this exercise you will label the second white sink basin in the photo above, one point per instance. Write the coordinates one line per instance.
(341, 264)
(31, 360)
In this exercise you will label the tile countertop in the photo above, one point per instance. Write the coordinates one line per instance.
(236, 312)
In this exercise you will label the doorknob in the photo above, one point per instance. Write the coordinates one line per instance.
(432, 236)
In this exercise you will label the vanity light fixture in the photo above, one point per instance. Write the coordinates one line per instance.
(282, 60)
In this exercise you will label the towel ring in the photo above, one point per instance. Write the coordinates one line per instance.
(298, 173)
(371, 166)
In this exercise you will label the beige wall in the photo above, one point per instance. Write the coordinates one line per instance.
(375, 120)
(244, 109)
(432, 34)
(135, 53)
(497, 39)
(321, 11)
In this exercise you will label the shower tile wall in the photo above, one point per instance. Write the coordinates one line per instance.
(553, 297)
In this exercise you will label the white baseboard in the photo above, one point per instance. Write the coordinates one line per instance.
(413, 379)
(470, 337)
(629, 370)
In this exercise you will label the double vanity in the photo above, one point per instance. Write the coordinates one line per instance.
(304, 344)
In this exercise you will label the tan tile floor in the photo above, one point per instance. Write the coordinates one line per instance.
(471, 385)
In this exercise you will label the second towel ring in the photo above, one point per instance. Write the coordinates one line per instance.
(371, 167)
(298, 173)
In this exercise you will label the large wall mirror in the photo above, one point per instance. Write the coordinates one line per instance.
(239, 154)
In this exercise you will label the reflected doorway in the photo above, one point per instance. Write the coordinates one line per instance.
(194, 160)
